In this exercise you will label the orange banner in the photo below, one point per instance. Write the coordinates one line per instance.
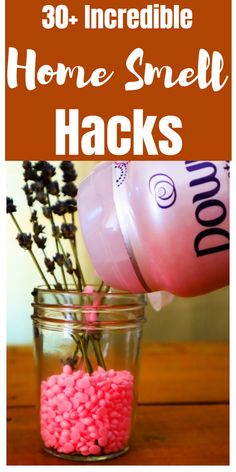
(129, 80)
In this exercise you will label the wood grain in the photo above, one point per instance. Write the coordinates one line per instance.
(164, 435)
(169, 373)
(182, 417)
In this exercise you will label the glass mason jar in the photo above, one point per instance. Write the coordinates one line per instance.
(87, 350)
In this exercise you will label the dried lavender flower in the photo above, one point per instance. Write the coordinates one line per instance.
(69, 173)
(38, 188)
(53, 188)
(47, 170)
(71, 361)
(71, 205)
(69, 189)
(47, 212)
(56, 231)
(41, 197)
(27, 189)
(58, 286)
(24, 240)
(59, 208)
(41, 242)
(11, 207)
(29, 195)
(68, 230)
(34, 217)
(50, 264)
(38, 228)
(29, 172)
(59, 259)
(68, 264)
(39, 185)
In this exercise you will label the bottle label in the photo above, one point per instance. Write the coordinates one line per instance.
(210, 211)
(163, 189)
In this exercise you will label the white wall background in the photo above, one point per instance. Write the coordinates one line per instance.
(199, 318)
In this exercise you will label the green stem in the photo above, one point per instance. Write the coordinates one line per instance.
(85, 355)
(32, 254)
(39, 268)
(98, 352)
(56, 241)
(76, 256)
(77, 348)
(75, 282)
(81, 279)
(52, 273)
(64, 254)
(64, 277)
(100, 286)
(16, 223)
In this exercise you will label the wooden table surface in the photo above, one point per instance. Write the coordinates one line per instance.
(182, 416)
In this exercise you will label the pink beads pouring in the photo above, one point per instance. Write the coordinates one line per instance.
(90, 415)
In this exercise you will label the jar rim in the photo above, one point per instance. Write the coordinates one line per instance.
(43, 288)
(122, 301)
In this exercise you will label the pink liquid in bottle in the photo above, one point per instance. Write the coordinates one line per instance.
(151, 225)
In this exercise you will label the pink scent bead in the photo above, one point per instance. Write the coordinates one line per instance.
(83, 383)
(69, 392)
(65, 424)
(50, 393)
(69, 381)
(88, 289)
(95, 450)
(67, 369)
(58, 418)
(55, 389)
(80, 426)
(77, 375)
(85, 453)
(84, 449)
(88, 405)
(102, 431)
(75, 435)
(118, 379)
(52, 380)
(61, 381)
(61, 397)
(51, 414)
(111, 373)
(91, 391)
(80, 409)
(64, 405)
(102, 441)
(82, 397)
(87, 413)
(68, 447)
(87, 421)
(91, 315)
(92, 429)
